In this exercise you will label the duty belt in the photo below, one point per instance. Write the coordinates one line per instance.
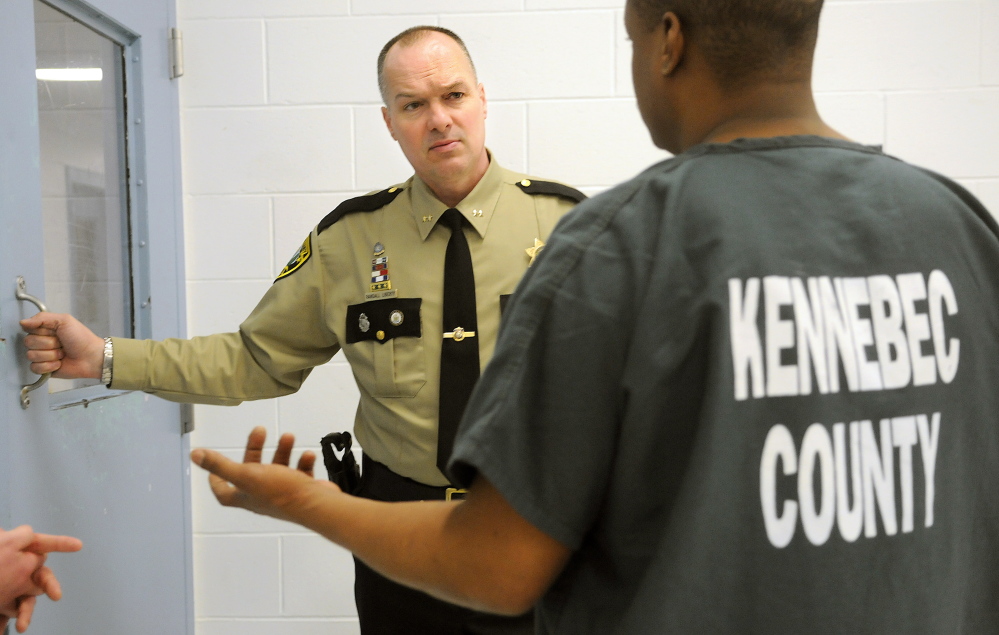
(378, 482)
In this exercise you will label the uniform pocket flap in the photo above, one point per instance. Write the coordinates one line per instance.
(383, 320)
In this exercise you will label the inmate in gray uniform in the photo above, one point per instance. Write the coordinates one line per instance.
(753, 390)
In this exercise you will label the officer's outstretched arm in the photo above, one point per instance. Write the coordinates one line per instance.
(479, 553)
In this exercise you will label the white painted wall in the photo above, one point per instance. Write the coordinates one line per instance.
(281, 123)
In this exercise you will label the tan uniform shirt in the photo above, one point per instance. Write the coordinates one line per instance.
(334, 293)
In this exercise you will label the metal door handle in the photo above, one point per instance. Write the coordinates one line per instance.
(22, 294)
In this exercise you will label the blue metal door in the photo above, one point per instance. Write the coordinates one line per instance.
(91, 217)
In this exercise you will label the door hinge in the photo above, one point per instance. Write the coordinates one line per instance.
(176, 53)
(186, 418)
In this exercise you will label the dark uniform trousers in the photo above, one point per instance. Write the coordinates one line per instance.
(387, 608)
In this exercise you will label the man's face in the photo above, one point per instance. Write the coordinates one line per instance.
(437, 112)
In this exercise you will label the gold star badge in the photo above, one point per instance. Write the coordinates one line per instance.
(534, 251)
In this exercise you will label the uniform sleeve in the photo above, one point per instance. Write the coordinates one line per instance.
(273, 352)
(543, 421)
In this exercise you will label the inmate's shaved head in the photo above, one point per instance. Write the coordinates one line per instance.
(744, 40)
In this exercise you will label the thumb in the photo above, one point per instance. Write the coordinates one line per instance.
(41, 320)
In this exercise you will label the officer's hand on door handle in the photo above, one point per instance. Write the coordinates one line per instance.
(60, 344)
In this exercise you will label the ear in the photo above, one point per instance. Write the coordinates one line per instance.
(388, 121)
(482, 96)
(674, 45)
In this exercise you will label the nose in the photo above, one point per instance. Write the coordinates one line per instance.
(440, 117)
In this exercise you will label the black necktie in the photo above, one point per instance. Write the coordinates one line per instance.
(460, 348)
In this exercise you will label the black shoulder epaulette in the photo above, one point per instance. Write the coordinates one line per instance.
(366, 203)
(532, 186)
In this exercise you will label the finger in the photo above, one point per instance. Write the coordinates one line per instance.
(214, 462)
(21, 537)
(45, 355)
(40, 368)
(255, 445)
(24, 610)
(307, 462)
(44, 543)
(282, 456)
(46, 580)
(42, 340)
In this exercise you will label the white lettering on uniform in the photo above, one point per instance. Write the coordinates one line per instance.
(865, 475)
(781, 380)
(849, 519)
(892, 346)
(855, 291)
(878, 474)
(939, 292)
(808, 327)
(929, 438)
(912, 289)
(779, 524)
(747, 352)
(816, 449)
(839, 341)
(823, 324)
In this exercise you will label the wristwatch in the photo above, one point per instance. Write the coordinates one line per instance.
(108, 366)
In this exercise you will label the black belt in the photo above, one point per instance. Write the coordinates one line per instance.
(380, 483)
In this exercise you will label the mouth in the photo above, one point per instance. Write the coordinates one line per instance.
(445, 145)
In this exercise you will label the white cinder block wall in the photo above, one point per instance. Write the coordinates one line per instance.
(281, 122)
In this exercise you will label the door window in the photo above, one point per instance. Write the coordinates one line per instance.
(85, 203)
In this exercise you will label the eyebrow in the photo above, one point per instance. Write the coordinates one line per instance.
(462, 84)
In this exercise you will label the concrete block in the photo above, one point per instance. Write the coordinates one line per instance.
(224, 63)
(432, 7)
(278, 627)
(326, 403)
(955, 133)
(317, 577)
(571, 5)
(506, 134)
(329, 60)
(541, 55)
(190, 9)
(883, 45)
(379, 161)
(990, 43)
(623, 85)
(227, 237)
(220, 307)
(226, 427)
(236, 576)
(587, 143)
(860, 116)
(242, 150)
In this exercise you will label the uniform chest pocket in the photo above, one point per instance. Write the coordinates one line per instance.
(387, 346)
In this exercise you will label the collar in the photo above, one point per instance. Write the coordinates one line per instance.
(477, 208)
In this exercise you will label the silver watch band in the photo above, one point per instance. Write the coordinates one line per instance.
(108, 368)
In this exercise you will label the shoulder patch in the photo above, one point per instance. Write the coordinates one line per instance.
(297, 260)
(551, 188)
(366, 203)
